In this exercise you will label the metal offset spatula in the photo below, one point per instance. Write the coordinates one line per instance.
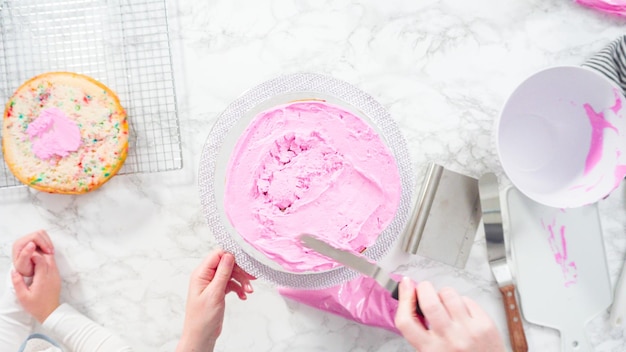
(496, 251)
(355, 262)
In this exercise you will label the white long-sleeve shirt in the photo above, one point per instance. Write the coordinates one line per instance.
(65, 325)
(15, 323)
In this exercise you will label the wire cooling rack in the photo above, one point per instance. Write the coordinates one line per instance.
(122, 43)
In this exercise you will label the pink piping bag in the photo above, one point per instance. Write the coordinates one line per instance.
(362, 300)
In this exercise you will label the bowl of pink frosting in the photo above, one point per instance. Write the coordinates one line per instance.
(312, 154)
(561, 137)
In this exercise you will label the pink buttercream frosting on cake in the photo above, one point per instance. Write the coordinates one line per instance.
(53, 133)
(310, 167)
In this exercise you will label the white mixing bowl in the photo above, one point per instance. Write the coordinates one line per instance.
(561, 137)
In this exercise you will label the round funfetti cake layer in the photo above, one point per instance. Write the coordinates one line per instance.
(310, 167)
(64, 133)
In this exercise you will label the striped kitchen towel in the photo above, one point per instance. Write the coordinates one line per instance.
(611, 62)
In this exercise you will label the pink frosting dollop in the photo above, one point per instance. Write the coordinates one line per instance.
(53, 133)
(310, 167)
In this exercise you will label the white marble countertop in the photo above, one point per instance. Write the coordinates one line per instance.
(442, 68)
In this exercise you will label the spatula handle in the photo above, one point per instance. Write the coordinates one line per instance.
(514, 319)
(395, 294)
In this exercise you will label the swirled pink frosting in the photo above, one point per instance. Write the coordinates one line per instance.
(310, 167)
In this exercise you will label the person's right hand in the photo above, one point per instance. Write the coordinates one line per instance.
(455, 323)
(25, 247)
(41, 298)
(210, 282)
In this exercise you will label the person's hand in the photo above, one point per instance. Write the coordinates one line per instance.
(455, 323)
(41, 298)
(210, 282)
(25, 247)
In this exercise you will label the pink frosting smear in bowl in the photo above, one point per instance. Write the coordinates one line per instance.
(310, 167)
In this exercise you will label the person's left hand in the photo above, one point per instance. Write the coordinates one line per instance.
(41, 298)
(210, 282)
(26, 246)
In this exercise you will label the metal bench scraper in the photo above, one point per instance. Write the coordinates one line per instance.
(445, 217)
